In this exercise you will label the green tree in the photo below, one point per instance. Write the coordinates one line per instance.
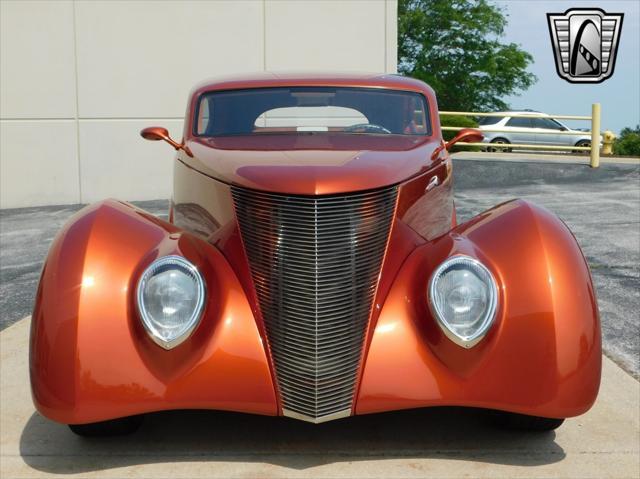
(454, 46)
(628, 144)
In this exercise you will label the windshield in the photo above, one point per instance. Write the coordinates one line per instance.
(308, 110)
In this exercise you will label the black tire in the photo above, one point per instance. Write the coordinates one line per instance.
(522, 422)
(114, 427)
(499, 141)
(582, 143)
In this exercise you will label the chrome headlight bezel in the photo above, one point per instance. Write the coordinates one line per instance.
(490, 313)
(178, 262)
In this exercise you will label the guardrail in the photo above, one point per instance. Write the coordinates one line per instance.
(593, 149)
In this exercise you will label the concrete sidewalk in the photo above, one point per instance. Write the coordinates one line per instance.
(442, 442)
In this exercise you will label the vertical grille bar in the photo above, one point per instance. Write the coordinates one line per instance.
(315, 262)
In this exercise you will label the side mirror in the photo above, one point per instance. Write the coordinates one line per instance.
(156, 133)
(468, 135)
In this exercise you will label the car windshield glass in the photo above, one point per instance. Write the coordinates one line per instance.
(306, 110)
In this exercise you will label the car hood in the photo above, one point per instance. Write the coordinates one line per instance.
(312, 164)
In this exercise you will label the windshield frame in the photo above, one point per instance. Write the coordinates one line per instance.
(425, 101)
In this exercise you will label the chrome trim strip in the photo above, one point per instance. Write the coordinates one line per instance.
(317, 420)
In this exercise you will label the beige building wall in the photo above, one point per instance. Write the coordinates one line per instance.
(80, 78)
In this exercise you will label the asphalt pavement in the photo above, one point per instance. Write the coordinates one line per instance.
(601, 206)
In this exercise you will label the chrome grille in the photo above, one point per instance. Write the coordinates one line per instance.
(315, 262)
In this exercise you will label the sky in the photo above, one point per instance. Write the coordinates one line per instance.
(619, 95)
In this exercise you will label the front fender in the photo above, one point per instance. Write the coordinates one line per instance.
(542, 355)
(90, 358)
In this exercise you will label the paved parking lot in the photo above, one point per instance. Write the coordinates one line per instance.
(602, 208)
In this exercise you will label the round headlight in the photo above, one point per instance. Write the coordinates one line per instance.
(170, 300)
(463, 297)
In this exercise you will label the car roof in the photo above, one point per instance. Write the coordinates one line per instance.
(522, 112)
(275, 79)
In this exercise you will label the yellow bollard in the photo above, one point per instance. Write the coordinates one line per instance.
(608, 138)
(595, 135)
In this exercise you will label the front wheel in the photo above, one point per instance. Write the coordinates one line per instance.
(115, 427)
(523, 422)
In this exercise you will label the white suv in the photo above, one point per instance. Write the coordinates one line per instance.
(534, 130)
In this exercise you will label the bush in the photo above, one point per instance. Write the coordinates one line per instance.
(628, 144)
(459, 121)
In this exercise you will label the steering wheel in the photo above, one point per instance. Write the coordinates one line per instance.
(366, 127)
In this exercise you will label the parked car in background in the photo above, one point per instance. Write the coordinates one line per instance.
(508, 129)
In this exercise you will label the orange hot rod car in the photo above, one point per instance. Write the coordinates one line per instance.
(312, 267)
